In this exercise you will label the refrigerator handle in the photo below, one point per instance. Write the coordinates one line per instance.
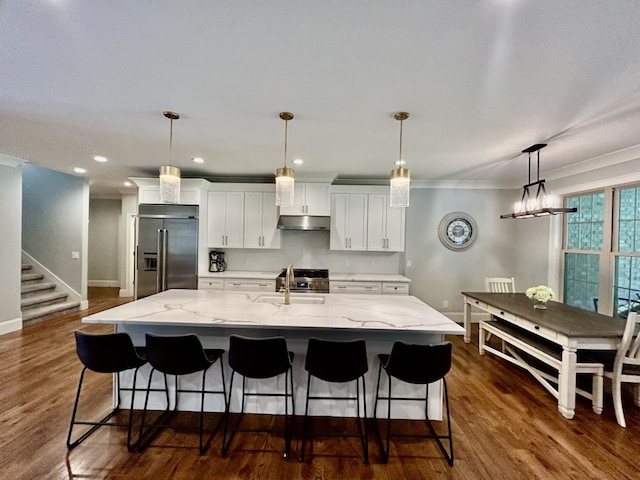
(163, 258)
(159, 264)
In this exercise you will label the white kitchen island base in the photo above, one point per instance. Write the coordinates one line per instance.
(215, 315)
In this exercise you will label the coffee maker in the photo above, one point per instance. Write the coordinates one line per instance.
(216, 261)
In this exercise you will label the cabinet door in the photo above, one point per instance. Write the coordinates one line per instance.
(339, 237)
(234, 221)
(357, 221)
(253, 220)
(377, 212)
(317, 199)
(216, 219)
(270, 234)
(395, 226)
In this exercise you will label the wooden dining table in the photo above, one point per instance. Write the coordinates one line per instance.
(570, 327)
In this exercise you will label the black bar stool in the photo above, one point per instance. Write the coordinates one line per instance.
(179, 355)
(106, 353)
(338, 362)
(420, 365)
(260, 358)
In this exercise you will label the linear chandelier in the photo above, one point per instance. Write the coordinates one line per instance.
(541, 204)
(285, 177)
(169, 175)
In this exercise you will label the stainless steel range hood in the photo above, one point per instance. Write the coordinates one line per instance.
(303, 222)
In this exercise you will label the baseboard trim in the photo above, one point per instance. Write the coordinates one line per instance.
(84, 304)
(12, 325)
(103, 283)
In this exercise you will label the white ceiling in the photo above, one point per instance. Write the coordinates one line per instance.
(482, 80)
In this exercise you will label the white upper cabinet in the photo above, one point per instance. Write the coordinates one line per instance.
(261, 220)
(385, 230)
(348, 221)
(310, 199)
(225, 222)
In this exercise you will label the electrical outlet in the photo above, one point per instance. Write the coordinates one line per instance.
(409, 264)
(445, 304)
(75, 254)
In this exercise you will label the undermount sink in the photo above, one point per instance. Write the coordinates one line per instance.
(279, 300)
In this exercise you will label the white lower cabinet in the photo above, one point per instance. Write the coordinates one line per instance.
(249, 285)
(211, 283)
(374, 288)
(395, 288)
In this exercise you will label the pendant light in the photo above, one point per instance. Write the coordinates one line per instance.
(400, 177)
(169, 175)
(541, 204)
(285, 177)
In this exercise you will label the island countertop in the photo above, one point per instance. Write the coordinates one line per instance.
(259, 310)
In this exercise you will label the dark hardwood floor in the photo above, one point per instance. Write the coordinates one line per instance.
(505, 426)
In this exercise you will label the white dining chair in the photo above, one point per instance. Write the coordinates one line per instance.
(625, 367)
(500, 284)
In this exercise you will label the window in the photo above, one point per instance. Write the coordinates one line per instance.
(601, 252)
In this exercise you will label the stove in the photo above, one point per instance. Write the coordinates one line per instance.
(305, 280)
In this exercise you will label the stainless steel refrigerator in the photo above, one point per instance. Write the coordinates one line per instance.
(166, 248)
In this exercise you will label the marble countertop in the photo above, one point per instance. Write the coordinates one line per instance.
(260, 310)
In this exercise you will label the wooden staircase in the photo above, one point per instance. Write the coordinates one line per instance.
(39, 299)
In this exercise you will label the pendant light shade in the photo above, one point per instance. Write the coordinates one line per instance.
(541, 204)
(169, 175)
(285, 176)
(400, 178)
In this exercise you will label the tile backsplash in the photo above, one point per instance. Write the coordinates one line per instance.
(310, 249)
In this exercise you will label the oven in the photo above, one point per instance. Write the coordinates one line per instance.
(305, 280)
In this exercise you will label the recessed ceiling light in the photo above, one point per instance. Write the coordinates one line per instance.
(80, 170)
(100, 158)
(127, 184)
(198, 160)
(298, 161)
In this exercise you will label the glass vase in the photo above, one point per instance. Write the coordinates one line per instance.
(539, 305)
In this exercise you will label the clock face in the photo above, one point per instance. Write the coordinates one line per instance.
(457, 231)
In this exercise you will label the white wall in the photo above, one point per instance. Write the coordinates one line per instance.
(55, 223)
(104, 241)
(10, 245)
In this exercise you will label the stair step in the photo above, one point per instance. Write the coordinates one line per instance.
(32, 277)
(36, 288)
(26, 266)
(39, 312)
(42, 299)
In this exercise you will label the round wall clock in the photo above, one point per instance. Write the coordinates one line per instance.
(457, 230)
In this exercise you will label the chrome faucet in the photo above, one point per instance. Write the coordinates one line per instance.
(288, 280)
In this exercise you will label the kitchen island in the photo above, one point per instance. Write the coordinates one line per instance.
(214, 315)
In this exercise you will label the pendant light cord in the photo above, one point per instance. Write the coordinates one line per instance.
(286, 128)
(400, 158)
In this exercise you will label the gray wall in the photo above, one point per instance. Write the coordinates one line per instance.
(10, 245)
(104, 239)
(54, 222)
(439, 275)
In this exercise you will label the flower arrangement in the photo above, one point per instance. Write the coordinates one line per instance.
(541, 293)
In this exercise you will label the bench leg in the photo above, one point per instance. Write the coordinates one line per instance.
(567, 383)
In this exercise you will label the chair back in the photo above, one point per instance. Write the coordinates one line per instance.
(628, 354)
(176, 354)
(500, 284)
(107, 353)
(419, 364)
(258, 357)
(336, 361)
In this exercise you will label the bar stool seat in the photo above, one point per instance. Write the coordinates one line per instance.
(337, 362)
(418, 365)
(179, 355)
(256, 359)
(111, 353)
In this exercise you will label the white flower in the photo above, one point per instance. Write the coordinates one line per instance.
(541, 293)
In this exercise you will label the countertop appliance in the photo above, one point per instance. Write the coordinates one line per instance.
(305, 280)
(216, 261)
(166, 248)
